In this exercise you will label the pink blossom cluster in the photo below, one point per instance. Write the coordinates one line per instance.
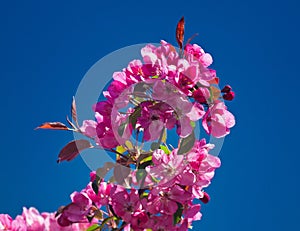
(32, 220)
(181, 88)
(155, 186)
(182, 179)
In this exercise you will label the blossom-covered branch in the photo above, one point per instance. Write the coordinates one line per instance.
(149, 104)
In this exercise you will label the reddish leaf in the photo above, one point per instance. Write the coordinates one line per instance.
(215, 92)
(72, 149)
(53, 125)
(191, 38)
(180, 32)
(186, 144)
(214, 81)
(70, 122)
(59, 210)
(101, 172)
(121, 174)
(74, 111)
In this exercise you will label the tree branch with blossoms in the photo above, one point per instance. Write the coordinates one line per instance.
(148, 120)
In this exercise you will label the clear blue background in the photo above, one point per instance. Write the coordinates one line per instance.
(47, 46)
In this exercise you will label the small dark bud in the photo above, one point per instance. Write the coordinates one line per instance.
(229, 96)
(206, 198)
(226, 89)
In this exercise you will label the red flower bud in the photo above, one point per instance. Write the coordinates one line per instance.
(229, 96)
(206, 198)
(226, 89)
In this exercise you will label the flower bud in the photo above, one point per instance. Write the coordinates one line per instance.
(226, 89)
(206, 198)
(229, 96)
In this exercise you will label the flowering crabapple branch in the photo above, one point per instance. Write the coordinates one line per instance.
(149, 120)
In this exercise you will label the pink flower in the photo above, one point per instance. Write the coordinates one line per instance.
(196, 112)
(104, 109)
(164, 222)
(102, 198)
(51, 223)
(139, 221)
(166, 167)
(76, 211)
(93, 176)
(174, 193)
(183, 111)
(201, 168)
(201, 95)
(198, 154)
(81, 199)
(5, 222)
(33, 219)
(83, 226)
(114, 90)
(153, 118)
(217, 121)
(160, 61)
(88, 128)
(192, 212)
(198, 53)
(136, 72)
(108, 139)
(188, 74)
(126, 205)
(121, 126)
(18, 224)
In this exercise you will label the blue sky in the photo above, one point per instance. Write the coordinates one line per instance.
(47, 47)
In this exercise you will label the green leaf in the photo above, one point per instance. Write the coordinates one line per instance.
(121, 129)
(177, 215)
(145, 194)
(106, 220)
(186, 144)
(154, 146)
(94, 227)
(121, 149)
(146, 159)
(193, 124)
(134, 116)
(145, 164)
(165, 149)
(95, 186)
(90, 218)
(98, 214)
(140, 174)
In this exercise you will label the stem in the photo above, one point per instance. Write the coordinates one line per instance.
(114, 151)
